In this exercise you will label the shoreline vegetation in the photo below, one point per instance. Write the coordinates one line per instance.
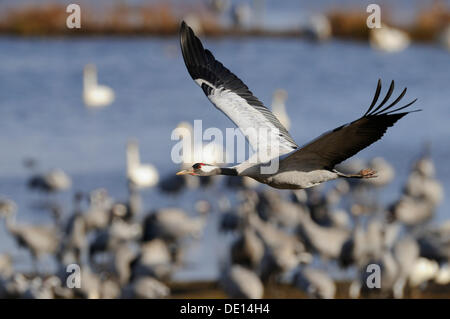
(162, 19)
(212, 290)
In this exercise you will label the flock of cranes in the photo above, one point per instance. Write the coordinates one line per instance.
(297, 238)
(301, 240)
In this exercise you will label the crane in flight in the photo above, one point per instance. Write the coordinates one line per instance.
(298, 167)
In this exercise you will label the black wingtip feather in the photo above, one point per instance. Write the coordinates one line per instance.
(378, 110)
(375, 97)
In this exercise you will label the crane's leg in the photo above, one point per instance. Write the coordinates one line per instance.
(364, 173)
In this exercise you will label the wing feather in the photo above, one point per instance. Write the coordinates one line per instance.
(337, 145)
(231, 96)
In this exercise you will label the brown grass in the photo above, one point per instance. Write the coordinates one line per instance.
(158, 18)
(430, 21)
(211, 290)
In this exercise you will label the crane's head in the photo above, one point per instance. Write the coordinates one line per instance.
(201, 169)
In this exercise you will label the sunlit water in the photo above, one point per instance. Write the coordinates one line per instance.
(42, 113)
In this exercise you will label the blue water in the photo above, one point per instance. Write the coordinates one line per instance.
(42, 113)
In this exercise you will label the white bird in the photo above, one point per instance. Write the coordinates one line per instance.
(138, 174)
(95, 95)
(443, 275)
(279, 107)
(299, 167)
(388, 39)
(422, 271)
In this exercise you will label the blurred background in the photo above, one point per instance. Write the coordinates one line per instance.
(86, 177)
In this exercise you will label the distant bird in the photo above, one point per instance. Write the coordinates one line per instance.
(444, 38)
(406, 253)
(421, 194)
(279, 108)
(232, 218)
(272, 207)
(388, 39)
(172, 224)
(443, 275)
(302, 167)
(240, 282)
(6, 266)
(327, 241)
(283, 251)
(423, 270)
(219, 6)
(7, 206)
(424, 188)
(138, 174)
(315, 282)
(54, 181)
(241, 15)
(247, 250)
(434, 243)
(95, 95)
(98, 215)
(145, 288)
(154, 259)
(39, 240)
(411, 211)
(112, 238)
(14, 287)
(318, 28)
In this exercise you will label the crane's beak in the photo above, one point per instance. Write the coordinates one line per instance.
(185, 172)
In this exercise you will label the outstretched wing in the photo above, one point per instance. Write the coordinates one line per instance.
(337, 145)
(231, 96)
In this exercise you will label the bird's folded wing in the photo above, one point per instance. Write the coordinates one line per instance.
(337, 145)
(231, 96)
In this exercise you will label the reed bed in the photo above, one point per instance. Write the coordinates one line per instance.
(162, 19)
